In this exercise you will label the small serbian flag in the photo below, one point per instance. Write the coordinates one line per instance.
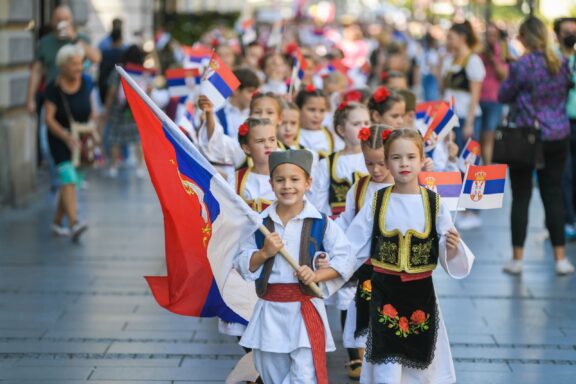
(181, 81)
(196, 57)
(447, 184)
(218, 82)
(247, 31)
(470, 155)
(186, 123)
(440, 119)
(483, 187)
(299, 63)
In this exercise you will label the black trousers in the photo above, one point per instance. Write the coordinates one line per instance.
(550, 186)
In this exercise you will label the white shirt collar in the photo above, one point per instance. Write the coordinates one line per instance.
(309, 211)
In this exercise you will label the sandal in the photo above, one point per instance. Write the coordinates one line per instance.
(354, 368)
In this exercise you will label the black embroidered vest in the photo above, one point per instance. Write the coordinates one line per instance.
(414, 252)
(338, 187)
(458, 80)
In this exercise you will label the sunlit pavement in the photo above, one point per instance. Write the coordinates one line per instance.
(83, 313)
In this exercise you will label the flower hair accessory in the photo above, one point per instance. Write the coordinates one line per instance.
(353, 96)
(243, 129)
(256, 93)
(385, 134)
(342, 105)
(364, 134)
(384, 76)
(381, 94)
(310, 88)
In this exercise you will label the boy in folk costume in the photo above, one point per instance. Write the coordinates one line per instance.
(289, 330)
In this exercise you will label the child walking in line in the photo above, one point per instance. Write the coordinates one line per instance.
(289, 127)
(405, 230)
(289, 331)
(387, 107)
(313, 106)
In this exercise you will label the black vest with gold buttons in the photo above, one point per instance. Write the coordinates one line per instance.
(413, 252)
(338, 187)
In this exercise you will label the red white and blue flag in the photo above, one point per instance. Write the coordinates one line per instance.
(204, 220)
(218, 82)
(483, 187)
(247, 31)
(181, 81)
(196, 57)
(439, 118)
(187, 122)
(447, 184)
(298, 68)
(470, 155)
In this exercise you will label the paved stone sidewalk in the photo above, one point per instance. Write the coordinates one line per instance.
(83, 313)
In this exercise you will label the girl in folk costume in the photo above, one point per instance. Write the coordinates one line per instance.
(289, 127)
(288, 330)
(406, 231)
(257, 137)
(336, 173)
(387, 107)
(313, 106)
(355, 321)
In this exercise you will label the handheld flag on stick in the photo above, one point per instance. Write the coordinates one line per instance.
(181, 81)
(470, 155)
(440, 120)
(483, 187)
(196, 57)
(204, 220)
(218, 82)
(447, 184)
(298, 69)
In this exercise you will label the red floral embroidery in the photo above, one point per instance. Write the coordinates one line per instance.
(366, 290)
(310, 88)
(385, 134)
(243, 129)
(401, 326)
(381, 94)
(364, 134)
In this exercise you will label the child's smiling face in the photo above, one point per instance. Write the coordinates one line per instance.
(290, 183)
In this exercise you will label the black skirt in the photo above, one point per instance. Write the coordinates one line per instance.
(403, 321)
(363, 298)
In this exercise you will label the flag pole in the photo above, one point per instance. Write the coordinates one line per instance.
(461, 192)
(179, 136)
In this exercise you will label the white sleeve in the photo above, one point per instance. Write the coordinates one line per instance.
(347, 216)
(242, 260)
(337, 247)
(359, 233)
(221, 148)
(319, 192)
(460, 265)
(475, 68)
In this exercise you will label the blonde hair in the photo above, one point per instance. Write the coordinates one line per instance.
(535, 37)
(408, 134)
(68, 51)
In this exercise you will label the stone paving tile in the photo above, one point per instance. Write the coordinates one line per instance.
(72, 314)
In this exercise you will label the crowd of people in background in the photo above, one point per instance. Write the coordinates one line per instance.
(489, 71)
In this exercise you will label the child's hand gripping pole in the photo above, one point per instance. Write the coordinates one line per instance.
(313, 286)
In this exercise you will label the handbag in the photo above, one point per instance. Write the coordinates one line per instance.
(86, 135)
(519, 146)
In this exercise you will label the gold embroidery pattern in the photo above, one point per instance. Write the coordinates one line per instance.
(421, 253)
(388, 252)
(340, 192)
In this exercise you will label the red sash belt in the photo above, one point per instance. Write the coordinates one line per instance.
(284, 293)
(403, 275)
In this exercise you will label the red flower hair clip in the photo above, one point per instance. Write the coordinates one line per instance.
(384, 76)
(364, 134)
(385, 134)
(243, 129)
(310, 88)
(342, 105)
(381, 94)
(353, 96)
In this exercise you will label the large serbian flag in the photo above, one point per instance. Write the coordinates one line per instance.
(447, 184)
(483, 187)
(204, 220)
(218, 82)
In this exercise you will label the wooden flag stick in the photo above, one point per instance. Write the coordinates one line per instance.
(313, 286)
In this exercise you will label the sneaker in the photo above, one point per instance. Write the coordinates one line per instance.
(564, 267)
(513, 267)
(570, 232)
(113, 172)
(58, 230)
(77, 230)
(140, 172)
(469, 222)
